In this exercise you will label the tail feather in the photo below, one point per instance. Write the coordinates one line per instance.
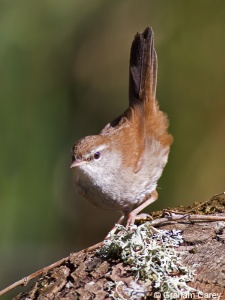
(143, 68)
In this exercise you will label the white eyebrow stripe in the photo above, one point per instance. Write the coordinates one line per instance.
(100, 148)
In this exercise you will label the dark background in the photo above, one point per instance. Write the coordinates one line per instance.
(64, 75)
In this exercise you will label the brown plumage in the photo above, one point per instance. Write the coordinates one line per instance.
(119, 168)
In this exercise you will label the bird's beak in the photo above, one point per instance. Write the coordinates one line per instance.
(77, 163)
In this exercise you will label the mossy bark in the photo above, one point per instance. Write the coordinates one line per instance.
(88, 276)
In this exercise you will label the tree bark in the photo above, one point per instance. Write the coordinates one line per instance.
(86, 275)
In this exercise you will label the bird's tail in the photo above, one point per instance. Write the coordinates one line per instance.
(143, 69)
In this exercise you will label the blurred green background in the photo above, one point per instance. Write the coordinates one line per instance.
(64, 75)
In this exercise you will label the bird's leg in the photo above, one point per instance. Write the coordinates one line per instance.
(130, 221)
(132, 215)
(112, 231)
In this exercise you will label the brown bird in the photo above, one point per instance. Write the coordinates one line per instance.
(118, 169)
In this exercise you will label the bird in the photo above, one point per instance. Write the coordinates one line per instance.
(118, 168)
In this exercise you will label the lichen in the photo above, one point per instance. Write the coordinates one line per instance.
(152, 256)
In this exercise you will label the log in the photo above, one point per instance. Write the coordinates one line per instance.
(98, 274)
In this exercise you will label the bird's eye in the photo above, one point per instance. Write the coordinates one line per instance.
(97, 155)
